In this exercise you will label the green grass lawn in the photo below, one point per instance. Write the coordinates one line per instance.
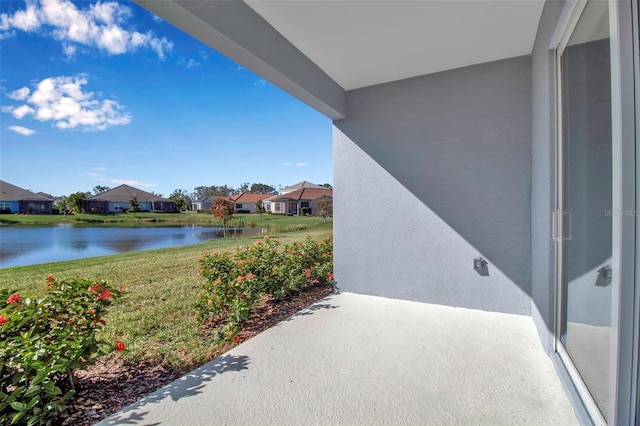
(155, 318)
(273, 222)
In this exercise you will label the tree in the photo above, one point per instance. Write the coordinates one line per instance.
(134, 205)
(62, 205)
(259, 207)
(99, 189)
(261, 188)
(243, 188)
(181, 199)
(202, 192)
(327, 185)
(325, 207)
(77, 201)
(222, 210)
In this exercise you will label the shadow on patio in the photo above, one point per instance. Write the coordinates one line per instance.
(355, 359)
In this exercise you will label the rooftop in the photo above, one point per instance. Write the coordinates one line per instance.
(246, 197)
(305, 194)
(9, 192)
(303, 184)
(125, 193)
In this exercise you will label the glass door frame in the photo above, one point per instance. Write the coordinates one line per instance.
(624, 104)
(559, 222)
(624, 399)
(635, 368)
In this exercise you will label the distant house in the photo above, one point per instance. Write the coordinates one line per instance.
(307, 198)
(14, 199)
(204, 204)
(246, 202)
(276, 205)
(300, 185)
(118, 200)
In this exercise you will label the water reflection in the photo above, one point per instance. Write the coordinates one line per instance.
(79, 245)
(31, 245)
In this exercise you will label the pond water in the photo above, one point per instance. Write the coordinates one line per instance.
(20, 245)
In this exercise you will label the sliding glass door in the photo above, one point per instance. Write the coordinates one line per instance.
(584, 206)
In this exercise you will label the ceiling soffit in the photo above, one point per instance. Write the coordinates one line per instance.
(362, 43)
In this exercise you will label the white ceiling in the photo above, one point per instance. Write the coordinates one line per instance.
(360, 43)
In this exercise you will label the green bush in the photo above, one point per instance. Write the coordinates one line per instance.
(43, 340)
(235, 282)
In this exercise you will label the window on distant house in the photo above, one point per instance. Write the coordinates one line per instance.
(277, 207)
(4, 206)
(238, 205)
(304, 204)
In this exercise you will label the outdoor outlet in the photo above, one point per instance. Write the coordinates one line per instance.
(605, 275)
(479, 264)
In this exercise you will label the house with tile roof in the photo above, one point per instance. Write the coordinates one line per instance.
(117, 200)
(14, 199)
(246, 202)
(276, 204)
(299, 200)
(300, 185)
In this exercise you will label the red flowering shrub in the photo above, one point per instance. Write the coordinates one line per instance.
(105, 295)
(235, 283)
(14, 298)
(43, 340)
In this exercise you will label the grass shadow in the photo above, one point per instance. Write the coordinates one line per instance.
(312, 309)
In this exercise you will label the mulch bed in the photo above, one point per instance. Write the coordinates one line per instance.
(112, 383)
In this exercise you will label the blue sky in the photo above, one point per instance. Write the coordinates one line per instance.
(105, 93)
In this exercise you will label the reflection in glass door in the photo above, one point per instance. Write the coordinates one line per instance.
(585, 203)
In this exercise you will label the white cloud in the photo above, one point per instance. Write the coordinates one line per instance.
(133, 183)
(69, 50)
(286, 164)
(20, 94)
(21, 111)
(62, 101)
(160, 46)
(302, 164)
(22, 130)
(102, 25)
(191, 63)
(25, 20)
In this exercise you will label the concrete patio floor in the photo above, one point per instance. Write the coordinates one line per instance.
(362, 360)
